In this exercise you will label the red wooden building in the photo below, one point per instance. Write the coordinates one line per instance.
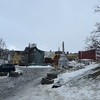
(90, 54)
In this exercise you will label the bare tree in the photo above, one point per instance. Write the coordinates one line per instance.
(2, 44)
(3, 51)
(93, 41)
(97, 9)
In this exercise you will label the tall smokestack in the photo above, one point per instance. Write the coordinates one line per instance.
(63, 46)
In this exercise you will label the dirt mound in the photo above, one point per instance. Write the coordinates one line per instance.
(95, 74)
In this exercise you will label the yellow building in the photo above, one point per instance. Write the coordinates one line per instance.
(16, 57)
(72, 56)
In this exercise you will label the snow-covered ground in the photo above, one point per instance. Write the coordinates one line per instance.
(77, 84)
(37, 66)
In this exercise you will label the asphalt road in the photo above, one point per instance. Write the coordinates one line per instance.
(9, 86)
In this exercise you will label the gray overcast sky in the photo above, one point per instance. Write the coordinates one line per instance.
(47, 23)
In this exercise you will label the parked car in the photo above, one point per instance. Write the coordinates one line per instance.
(7, 68)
